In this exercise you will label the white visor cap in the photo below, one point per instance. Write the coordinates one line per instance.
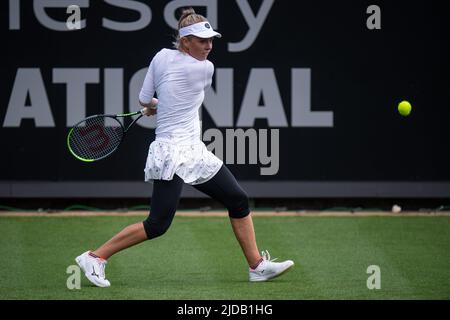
(202, 30)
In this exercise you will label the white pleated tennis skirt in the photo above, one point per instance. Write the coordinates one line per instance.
(192, 163)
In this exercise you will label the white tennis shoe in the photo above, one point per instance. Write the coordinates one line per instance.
(93, 268)
(268, 269)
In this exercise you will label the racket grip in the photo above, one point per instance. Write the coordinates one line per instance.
(148, 111)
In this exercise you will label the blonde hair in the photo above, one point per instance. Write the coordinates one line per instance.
(188, 17)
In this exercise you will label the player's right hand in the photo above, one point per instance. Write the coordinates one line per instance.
(147, 111)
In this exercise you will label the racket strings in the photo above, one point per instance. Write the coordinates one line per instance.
(96, 137)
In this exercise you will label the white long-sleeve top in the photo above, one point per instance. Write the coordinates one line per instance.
(179, 81)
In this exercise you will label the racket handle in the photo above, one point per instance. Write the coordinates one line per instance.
(148, 111)
(149, 106)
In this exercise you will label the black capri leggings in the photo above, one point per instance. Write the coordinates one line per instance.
(223, 187)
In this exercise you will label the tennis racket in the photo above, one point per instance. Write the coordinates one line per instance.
(98, 136)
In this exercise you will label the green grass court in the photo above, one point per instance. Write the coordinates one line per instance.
(199, 258)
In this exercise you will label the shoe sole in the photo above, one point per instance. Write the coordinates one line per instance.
(87, 275)
(274, 276)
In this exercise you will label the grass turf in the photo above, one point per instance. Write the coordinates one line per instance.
(199, 258)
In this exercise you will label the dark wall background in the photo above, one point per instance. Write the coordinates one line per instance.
(358, 74)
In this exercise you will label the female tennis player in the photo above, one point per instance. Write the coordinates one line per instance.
(179, 77)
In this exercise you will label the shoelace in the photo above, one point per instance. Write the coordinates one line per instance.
(266, 256)
(102, 265)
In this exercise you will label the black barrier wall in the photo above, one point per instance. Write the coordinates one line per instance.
(304, 96)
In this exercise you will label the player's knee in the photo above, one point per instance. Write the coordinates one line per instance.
(238, 207)
(155, 229)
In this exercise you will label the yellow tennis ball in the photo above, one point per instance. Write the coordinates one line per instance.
(404, 108)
